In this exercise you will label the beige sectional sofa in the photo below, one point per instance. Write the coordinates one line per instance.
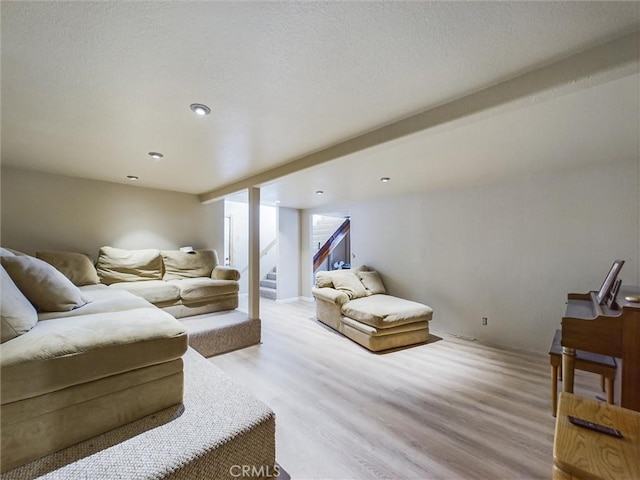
(92, 359)
(182, 284)
(355, 303)
(87, 348)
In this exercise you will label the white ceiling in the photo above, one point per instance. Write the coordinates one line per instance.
(88, 88)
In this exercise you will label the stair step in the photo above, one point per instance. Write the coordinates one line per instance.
(268, 293)
(272, 276)
(268, 283)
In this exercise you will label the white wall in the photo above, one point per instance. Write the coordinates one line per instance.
(288, 258)
(268, 233)
(239, 213)
(52, 212)
(510, 252)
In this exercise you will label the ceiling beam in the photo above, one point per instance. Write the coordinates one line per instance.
(598, 65)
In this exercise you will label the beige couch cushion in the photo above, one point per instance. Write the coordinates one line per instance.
(119, 301)
(55, 353)
(348, 283)
(9, 252)
(225, 273)
(16, 412)
(384, 311)
(154, 291)
(200, 289)
(372, 282)
(324, 279)
(179, 264)
(45, 287)
(375, 332)
(361, 268)
(18, 315)
(77, 267)
(118, 265)
(330, 295)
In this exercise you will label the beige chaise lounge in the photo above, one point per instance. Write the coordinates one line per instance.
(355, 303)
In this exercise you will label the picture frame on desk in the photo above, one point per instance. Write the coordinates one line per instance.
(611, 302)
(609, 282)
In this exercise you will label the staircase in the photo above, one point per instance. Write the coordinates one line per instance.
(323, 230)
(268, 285)
(339, 238)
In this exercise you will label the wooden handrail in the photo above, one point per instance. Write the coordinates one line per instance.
(333, 241)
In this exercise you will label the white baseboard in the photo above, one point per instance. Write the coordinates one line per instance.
(284, 300)
(295, 299)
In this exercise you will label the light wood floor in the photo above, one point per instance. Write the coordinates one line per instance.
(451, 409)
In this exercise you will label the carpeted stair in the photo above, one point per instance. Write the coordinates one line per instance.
(220, 332)
(268, 286)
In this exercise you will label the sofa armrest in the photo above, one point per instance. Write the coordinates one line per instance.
(225, 273)
(330, 295)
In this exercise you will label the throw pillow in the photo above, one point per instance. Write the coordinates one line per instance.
(18, 315)
(324, 279)
(372, 282)
(178, 265)
(77, 267)
(45, 287)
(361, 268)
(118, 265)
(349, 284)
(9, 252)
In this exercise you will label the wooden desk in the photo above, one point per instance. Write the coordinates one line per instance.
(596, 328)
(582, 454)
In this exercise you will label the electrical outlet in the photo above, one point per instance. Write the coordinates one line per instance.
(484, 320)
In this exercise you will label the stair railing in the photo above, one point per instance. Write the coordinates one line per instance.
(325, 250)
(263, 253)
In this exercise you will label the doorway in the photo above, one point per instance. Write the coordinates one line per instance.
(331, 241)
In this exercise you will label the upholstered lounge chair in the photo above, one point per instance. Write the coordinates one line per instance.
(355, 303)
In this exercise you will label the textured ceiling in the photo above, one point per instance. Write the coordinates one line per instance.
(594, 126)
(88, 88)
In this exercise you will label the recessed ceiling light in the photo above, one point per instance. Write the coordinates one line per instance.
(133, 178)
(319, 192)
(156, 155)
(200, 109)
(277, 202)
(385, 179)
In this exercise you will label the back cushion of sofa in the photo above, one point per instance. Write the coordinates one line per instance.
(349, 283)
(77, 267)
(44, 286)
(199, 263)
(372, 282)
(10, 252)
(324, 279)
(17, 314)
(118, 265)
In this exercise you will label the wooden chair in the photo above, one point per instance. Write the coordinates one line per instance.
(586, 361)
